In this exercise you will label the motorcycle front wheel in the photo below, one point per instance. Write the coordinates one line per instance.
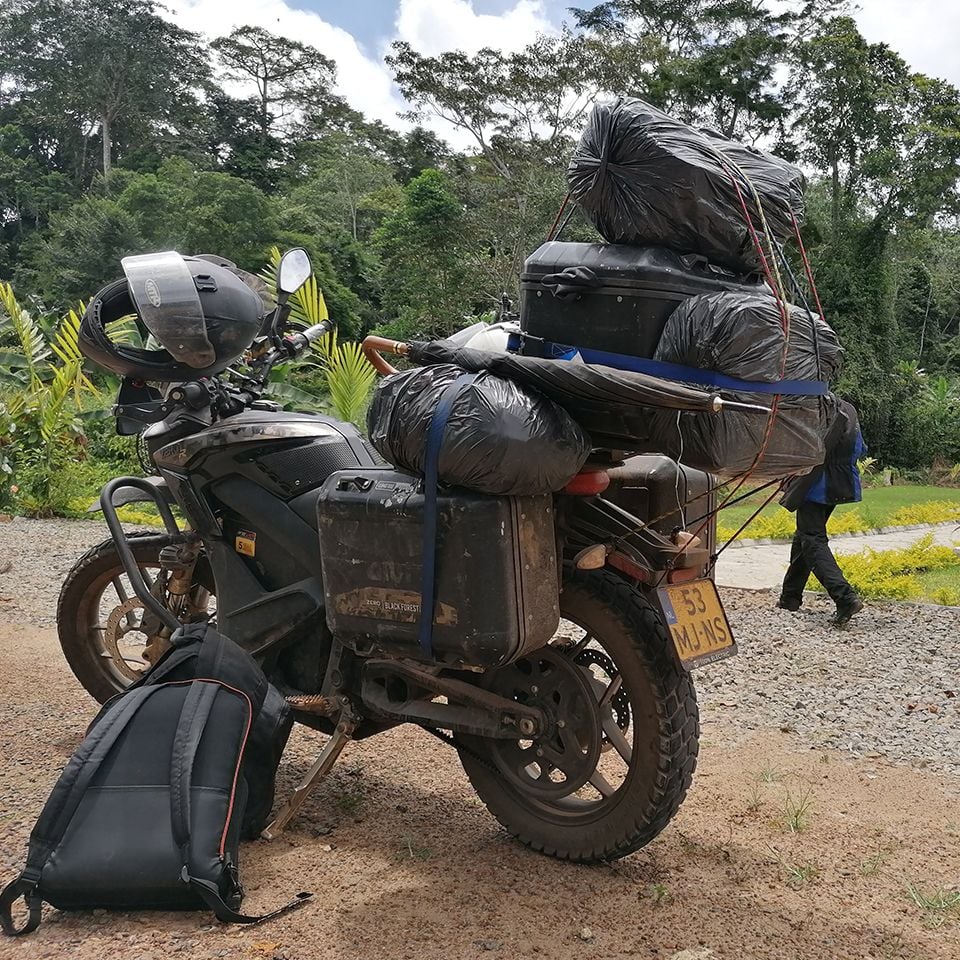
(618, 757)
(101, 624)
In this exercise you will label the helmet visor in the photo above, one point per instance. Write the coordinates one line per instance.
(166, 298)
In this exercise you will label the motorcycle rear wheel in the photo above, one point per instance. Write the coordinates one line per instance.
(645, 715)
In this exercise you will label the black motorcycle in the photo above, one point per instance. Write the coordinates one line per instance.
(583, 748)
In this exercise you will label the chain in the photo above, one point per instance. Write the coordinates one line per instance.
(451, 741)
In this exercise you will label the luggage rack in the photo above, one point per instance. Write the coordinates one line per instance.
(137, 582)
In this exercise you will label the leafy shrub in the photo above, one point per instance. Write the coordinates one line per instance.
(105, 446)
(946, 596)
(934, 511)
(891, 574)
(851, 521)
(43, 383)
(780, 524)
(66, 492)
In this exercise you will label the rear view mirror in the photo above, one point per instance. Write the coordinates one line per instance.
(294, 271)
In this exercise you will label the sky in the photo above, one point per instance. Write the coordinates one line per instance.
(357, 34)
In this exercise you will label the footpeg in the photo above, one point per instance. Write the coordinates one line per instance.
(315, 704)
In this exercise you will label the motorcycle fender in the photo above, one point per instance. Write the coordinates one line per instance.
(127, 495)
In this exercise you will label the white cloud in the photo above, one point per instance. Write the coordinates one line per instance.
(434, 26)
(923, 32)
(365, 83)
(429, 26)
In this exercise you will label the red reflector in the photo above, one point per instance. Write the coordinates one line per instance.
(682, 574)
(630, 567)
(588, 484)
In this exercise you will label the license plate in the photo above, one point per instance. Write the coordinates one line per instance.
(698, 624)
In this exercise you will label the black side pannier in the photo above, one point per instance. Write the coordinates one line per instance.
(642, 177)
(611, 297)
(496, 568)
(148, 812)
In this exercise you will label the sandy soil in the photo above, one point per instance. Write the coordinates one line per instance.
(406, 863)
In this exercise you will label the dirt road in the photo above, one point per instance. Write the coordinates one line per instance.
(782, 850)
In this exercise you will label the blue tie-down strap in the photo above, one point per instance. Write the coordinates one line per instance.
(431, 460)
(677, 371)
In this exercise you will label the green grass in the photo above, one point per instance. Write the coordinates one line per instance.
(879, 508)
(941, 586)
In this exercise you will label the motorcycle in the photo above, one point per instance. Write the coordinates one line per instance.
(583, 749)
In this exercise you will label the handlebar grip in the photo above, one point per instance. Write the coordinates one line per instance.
(299, 341)
(317, 331)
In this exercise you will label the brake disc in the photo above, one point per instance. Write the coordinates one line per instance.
(117, 627)
(620, 702)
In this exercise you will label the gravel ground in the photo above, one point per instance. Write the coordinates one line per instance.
(888, 686)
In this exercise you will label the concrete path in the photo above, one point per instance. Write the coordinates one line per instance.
(762, 565)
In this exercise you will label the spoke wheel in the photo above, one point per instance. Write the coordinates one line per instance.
(564, 758)
(107, 636)
(631, 712)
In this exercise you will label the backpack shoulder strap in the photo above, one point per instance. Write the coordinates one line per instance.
(62, 805)
(211, 897)
(193, 718)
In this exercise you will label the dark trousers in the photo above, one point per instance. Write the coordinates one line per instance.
(811, 553)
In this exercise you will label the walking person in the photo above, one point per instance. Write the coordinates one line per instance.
(814, 497)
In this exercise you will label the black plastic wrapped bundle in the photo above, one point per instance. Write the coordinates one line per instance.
(742, 336)
(500, 438)
(642, 177)
(613, 406)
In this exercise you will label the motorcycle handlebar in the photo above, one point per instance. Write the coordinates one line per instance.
(371, 348)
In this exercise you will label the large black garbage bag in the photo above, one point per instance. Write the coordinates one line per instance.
(741, 335)
(500, 438)
(642, 177)
(613, 406)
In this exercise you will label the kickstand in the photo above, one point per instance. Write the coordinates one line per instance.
(321, 767)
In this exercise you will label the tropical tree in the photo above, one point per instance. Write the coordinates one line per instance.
(291, 82)
(425, 272)
(115, 68)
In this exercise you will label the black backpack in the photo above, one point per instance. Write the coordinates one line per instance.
(199, 651)
(149, 811)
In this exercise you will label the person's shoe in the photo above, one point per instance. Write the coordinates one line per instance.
(792, 605)
(846, 613)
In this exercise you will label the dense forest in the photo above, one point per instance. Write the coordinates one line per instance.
(121, 132)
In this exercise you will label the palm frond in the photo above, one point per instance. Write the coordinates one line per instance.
(65, 344)
(125, 331)
(33, 344)
(269, 272)
(350, 379)
(308, 304)
(55, 415)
